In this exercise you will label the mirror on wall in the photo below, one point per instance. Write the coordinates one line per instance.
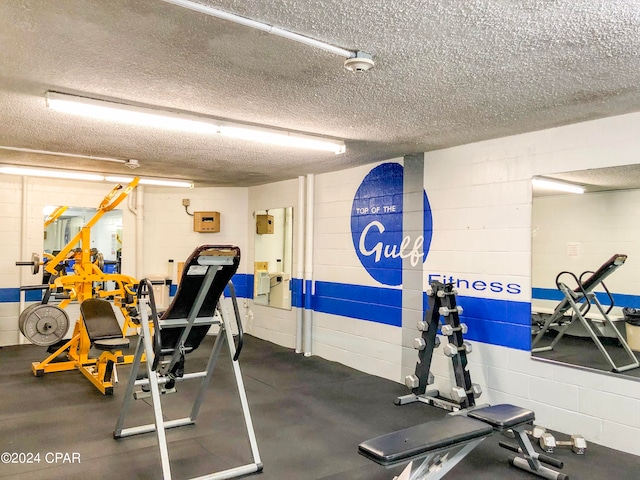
(273, 243)
(585, 272)
(62, 224)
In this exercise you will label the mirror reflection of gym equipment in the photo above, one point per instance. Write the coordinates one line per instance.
(273, 251)
(576, 234)
(76, 272)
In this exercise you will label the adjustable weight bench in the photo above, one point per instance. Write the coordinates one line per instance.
(197, 305)
(434, 448)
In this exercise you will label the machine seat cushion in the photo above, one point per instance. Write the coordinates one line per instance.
(503, 416)
(111, 343)
(411, 442)
(101, 324)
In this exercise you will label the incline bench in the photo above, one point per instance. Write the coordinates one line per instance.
(441, 444)
(197, 306)
(578, 303)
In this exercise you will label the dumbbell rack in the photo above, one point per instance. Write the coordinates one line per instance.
(442, 303)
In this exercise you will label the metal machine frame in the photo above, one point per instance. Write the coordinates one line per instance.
(79, 286)
(579, 301)
(158, 372)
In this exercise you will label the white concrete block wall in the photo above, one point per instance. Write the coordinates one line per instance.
(335, 258)
(470, 178)
(168, 228)
(480, 195)
(370, 347)
(269, 323)
(18, 244)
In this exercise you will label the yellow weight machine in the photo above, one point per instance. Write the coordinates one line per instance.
(44, 324)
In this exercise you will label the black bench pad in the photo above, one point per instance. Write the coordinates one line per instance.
(100, 319)
(111, 343)
(414, 441)
(503, 416)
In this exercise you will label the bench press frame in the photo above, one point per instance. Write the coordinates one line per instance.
(156, 378)
(438, 456)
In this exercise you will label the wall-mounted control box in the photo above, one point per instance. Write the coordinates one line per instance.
(206, 222)
(264, 224)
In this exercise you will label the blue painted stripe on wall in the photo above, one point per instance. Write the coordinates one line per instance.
(376, 304)
(297, 299)
(497, 322)
(308, 294)
(620, 299)
(360, 293)
(498, 333)
(243, 285)
(241, 281)
(9, 294)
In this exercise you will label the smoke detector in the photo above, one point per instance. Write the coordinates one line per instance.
(362, 62)
(132, 164)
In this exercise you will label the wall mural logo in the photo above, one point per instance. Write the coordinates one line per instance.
(376, 225)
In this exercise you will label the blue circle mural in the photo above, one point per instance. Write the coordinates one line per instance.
(376, 225)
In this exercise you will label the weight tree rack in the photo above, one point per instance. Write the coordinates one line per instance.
(442, 303)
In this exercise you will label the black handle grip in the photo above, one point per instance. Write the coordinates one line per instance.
(238, 321)
(146, 288)
(554, 462)
(510, 446)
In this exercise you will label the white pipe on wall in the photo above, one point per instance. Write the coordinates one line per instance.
(308, 267)
(23, 247)
(300, 260)
(139, 231)
(139, 216)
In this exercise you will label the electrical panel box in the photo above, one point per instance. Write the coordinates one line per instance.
(206, 222)
(264, 224)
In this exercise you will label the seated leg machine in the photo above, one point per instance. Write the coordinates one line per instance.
(197, 305)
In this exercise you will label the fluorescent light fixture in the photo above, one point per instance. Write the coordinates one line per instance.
(74, 175)
(557, 185)
(149, 117)
(127, 114)
(37, 172)
(285, 139)
(151, 181)
(63, 154)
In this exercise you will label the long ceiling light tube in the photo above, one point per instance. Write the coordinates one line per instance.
(557, 185)
(93, 177)
(47, 173)
(150, 181)
(134, 115)
(128, 114)
(214, 12)
(62, 154)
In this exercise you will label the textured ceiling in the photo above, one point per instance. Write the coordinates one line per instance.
(447, 73)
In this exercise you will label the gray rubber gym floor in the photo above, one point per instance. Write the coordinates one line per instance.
(309, 415)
